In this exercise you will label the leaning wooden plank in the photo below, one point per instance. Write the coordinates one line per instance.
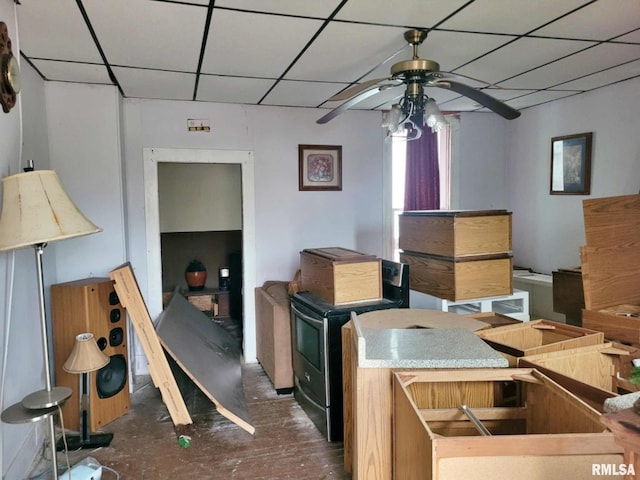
(208, 355)
(130, 297)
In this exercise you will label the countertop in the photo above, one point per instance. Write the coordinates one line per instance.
(452, 344)
(426, 348)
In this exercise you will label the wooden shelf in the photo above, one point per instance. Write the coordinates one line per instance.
(211, 301)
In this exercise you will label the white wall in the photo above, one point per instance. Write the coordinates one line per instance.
(479, 175)
(21, 361)
(286, 220)
(548, 230)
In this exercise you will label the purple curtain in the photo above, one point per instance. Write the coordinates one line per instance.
(422, 178)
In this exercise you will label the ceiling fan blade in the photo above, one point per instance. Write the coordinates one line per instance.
(479, 96)
(355, 89)
(348, 104)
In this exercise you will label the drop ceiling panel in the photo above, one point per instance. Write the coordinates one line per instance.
(147, 34)
(250, 51)
(306, 94)
(232, 89)
(345, 52)
(598, 58)
(252, 43)
(49, 19)
(601, 20)
(73, 72)
(407, 13)
(520, 56)
(286, 7)
(141, 83)
(507, 16)
(613, 75)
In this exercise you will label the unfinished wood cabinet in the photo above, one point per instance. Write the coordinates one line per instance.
(540, 431)
(593, 373)
(538, 336)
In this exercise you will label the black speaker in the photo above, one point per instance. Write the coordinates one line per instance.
(112, 378)
(91, 305)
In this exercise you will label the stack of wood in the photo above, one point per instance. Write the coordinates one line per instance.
(611, 267)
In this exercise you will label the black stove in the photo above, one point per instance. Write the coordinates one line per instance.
(317, 346)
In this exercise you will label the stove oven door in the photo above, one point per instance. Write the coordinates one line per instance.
(309, 338)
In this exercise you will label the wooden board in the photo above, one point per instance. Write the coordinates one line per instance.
(208, 355)
(610, 275)
(126, 287)
(614, 327)
(455, 234)
(612, 221)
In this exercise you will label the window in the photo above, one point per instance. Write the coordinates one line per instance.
(398, 162)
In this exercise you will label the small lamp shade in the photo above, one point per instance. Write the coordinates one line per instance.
(85, 356)
(36, 209)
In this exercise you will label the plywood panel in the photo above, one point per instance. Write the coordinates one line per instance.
(208, 355)
(612, 221)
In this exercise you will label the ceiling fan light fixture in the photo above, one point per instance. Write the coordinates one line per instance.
(433, 117)
(391, 120)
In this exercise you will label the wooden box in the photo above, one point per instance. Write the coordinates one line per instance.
(538, 336)
(461, 278)
(455, 233)
(339, 275)
(593, 373)
(540, 431)
(610, 264)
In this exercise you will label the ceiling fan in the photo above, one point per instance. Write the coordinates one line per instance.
(414, 108)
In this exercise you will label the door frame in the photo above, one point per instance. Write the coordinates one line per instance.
(244, 158)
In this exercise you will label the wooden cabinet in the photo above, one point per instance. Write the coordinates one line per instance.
(568, 294)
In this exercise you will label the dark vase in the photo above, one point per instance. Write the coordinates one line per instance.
(196, 280)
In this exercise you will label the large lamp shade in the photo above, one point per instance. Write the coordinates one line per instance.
(85, 356)
(36, 209)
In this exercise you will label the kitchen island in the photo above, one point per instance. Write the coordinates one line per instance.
(376, 344)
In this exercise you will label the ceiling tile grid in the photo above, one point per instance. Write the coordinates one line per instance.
(301, 53)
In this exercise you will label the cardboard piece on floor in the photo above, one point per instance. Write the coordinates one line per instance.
(128, 292)
(208, 355)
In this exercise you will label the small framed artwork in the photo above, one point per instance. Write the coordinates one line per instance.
(571, 164)
(319, 167)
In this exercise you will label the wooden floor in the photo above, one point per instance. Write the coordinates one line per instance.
(286, 445)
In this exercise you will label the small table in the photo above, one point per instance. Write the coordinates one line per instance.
(211, 301)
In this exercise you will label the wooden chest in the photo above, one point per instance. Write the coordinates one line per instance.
(455, 233)
(517, 423)
(538, 336)
(339, 275)
(593, 373)
(610, 264)
(460, 278)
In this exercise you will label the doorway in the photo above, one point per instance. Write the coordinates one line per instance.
(155, 156)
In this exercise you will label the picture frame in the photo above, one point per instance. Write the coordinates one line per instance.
(571, 164)
(319, 167)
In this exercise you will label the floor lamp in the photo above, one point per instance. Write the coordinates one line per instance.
(85, 357)
(36, 211)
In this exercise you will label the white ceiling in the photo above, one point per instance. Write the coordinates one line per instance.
(301, 52)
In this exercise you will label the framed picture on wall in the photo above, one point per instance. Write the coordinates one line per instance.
(319, 167)
(571, 164)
